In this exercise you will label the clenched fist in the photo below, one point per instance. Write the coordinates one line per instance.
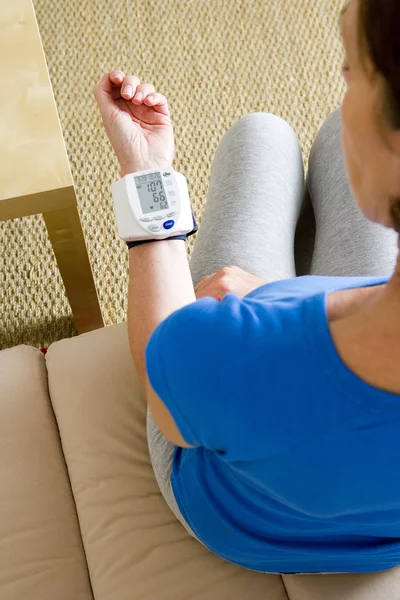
(137, 121)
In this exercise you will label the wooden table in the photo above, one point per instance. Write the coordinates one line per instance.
(35, 175)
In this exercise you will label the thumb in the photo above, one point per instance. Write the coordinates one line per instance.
(102, 93)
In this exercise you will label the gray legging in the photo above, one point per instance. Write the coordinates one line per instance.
(257, 198)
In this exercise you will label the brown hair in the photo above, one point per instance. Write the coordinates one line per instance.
(379, 29)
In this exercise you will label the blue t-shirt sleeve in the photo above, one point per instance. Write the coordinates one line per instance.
(245, 376)
(200, 361)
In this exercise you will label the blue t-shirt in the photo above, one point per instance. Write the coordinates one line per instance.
(296, 459)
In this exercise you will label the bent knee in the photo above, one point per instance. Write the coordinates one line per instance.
(263, 121)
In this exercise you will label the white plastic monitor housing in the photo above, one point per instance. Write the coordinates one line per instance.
(139, 217)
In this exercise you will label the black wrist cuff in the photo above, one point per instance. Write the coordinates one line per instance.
(173, 237)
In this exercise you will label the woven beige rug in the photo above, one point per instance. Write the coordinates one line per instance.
(215, 60)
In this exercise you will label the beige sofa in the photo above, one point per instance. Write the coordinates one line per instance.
(81, 514)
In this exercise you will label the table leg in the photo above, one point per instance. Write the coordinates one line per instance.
(66, 235)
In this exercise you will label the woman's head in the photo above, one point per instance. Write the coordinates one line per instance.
(371, 108)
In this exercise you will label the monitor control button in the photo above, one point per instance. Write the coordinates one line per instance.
(169, 224)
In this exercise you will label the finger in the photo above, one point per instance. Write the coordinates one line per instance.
(154, 98)
(128, 86)
(102, 91)
(116, 93)
(160, 103)
(203, 293)
(104, 85)
(117, 77)
(142, 91)
(210, 291)
(203, 282)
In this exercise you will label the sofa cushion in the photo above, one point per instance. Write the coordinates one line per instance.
(41, 553)
(134, 545)
(366, 586)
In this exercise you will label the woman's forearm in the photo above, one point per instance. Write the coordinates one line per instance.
(159, 283)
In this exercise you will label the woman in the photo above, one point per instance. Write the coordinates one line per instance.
(280, 396)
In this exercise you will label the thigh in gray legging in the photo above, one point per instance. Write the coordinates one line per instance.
(161, 455)
(256, 191)
(346, 242)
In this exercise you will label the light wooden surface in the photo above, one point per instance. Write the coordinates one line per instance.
(35, 175)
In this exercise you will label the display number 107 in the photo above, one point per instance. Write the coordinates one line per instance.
(152, 188)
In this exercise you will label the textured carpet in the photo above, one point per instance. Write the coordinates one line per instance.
(215, 60)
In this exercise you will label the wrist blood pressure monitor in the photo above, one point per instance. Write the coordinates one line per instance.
(152, 205)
